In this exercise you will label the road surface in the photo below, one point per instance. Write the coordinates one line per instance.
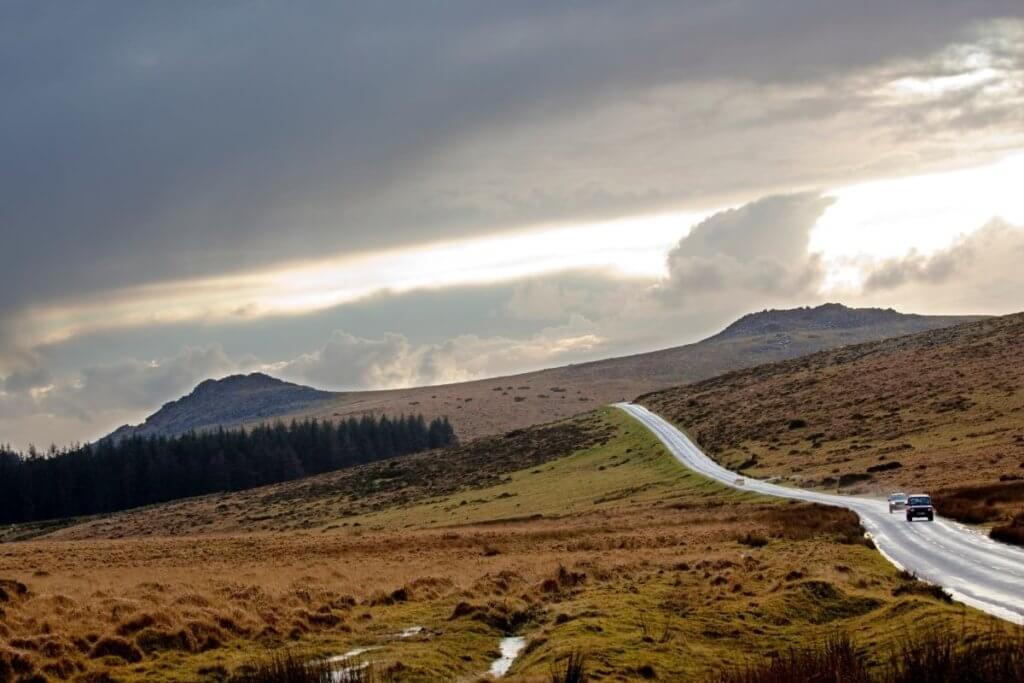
(972, 568)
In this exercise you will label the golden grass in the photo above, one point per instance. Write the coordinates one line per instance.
(634, 561)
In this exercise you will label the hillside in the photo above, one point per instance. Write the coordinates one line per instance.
(933, 411)
(494, 406)
(583, 535)
(227, 402)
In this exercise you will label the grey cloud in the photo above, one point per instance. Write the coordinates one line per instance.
(148, 140)
(133, 384)
(351, 362)
(89, 403)
(981, 269)
(933, 269)
(347, 362)
(27, 378)
(760, 248)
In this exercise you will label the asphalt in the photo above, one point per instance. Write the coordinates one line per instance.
(970, 566)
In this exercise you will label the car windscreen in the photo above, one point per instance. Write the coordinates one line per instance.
(919, 500)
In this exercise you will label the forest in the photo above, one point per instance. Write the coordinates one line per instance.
(116, 475)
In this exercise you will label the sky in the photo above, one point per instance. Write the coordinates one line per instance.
(372, 195)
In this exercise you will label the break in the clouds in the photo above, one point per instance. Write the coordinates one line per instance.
(199, 188)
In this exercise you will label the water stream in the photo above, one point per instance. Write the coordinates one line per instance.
(510, 648)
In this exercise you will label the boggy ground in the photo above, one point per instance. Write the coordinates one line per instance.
(613, 550)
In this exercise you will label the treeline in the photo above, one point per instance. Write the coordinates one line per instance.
(135, 471)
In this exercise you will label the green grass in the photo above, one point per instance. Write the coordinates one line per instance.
(631, 467)
(634, 562)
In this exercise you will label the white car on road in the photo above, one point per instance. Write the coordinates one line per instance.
(897, 501)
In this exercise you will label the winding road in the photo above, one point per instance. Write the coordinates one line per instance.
(971, 567)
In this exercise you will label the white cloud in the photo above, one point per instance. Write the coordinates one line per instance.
(979, 272)
(760, 248)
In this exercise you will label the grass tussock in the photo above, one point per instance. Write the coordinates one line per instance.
(911, 584)
(114, 646)
(14, 663)
(834, 660)
(935, 657)
(573, 669)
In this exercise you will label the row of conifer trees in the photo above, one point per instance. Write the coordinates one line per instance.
(136, 471)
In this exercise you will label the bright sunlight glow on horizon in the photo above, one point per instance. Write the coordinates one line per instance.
(868, 221)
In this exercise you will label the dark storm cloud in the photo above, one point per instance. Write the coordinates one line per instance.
(147, 140)
(154, 141)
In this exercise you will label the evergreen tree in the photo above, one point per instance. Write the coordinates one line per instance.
(135, 471)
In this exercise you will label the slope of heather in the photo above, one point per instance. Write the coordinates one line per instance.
(933, 411)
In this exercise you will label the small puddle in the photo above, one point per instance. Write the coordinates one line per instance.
(341, 668)
(410, 632)
(510, 648)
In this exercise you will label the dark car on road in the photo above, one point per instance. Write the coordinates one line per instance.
(919, 505)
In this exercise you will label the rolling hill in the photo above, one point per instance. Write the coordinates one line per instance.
(578, 536)
(496, 405)
(937, 410)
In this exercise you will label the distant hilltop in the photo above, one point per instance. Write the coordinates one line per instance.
(824, 317)
(499, 404)
(228, 402)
